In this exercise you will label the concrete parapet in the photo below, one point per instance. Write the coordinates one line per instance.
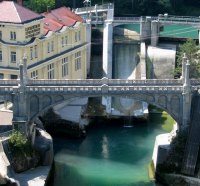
(143, 60)
(155, 29)
(145, 29)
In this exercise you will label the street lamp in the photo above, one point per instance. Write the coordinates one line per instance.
(86, 4)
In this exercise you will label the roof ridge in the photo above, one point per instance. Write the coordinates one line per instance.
(13, 3)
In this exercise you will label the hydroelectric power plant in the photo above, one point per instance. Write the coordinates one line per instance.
(131, 71)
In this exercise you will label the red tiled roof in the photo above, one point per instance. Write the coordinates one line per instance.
(56, 19)
(12, 12)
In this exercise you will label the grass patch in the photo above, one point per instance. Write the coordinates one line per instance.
(168, 122)
(151, 170)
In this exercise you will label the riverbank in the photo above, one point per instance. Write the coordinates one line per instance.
(36, 176)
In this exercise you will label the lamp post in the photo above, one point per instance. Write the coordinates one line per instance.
(86, 4)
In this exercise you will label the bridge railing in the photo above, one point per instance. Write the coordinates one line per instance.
(80, 90)
(8, 82)
(95, 8)
(94, 82)
(127, 19)
(179, 19)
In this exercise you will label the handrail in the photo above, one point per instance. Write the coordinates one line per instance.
(94, 82)
(95, 8)
(8, 82)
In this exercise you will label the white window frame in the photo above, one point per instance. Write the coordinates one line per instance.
(51, 72)
(13, 57)
(65, 69)
(77, 60)
(34, 74)
(12, 35)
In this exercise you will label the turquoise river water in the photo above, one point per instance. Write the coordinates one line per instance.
(112, 154)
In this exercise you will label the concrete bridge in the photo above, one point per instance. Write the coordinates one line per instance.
(31, 98)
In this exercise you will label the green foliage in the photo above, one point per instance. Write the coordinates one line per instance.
(39, 5)
(192, 53)
(174, 159)
(19, 144)
(143, 7)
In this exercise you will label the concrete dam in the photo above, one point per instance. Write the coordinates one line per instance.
(133, 59)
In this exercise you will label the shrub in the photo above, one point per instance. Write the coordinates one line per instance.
(20, 145)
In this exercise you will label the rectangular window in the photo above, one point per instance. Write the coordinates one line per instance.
(13, 57)
(31, 53)
(79, 35)
(62, 41)
(13, 76)
(52, 46)
(66, 39)
(1, 76)
(64, 66)
(48, 47)
(1, 57)
(76, 36)
(0, 34)
(77, 61)
(12, 35)
(50, 69)
(36, 52)
(34, 74)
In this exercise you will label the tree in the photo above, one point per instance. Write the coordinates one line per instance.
(40, 5)
(192, 53)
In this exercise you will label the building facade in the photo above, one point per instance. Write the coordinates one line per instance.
(55, 43)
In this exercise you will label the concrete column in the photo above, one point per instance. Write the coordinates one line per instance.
(21, 75)
(88, 40)
(186, 98)
(183, 67)
(19, 120)
(107, 49)
(19, 105)
(110, 12)
(25, 71)
(145, 29)
(107, 58)
(155, 29)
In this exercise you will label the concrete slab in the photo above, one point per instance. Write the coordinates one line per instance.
(33, 177)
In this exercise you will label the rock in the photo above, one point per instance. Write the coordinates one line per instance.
(44, 145)
(21, 164)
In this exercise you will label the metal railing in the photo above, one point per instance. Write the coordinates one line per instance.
(127, 19)
(95, 8)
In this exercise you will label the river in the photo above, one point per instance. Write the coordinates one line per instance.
(110, 155)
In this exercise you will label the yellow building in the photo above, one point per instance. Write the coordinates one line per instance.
(56, 43)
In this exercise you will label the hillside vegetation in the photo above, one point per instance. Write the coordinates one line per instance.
(126, 7)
